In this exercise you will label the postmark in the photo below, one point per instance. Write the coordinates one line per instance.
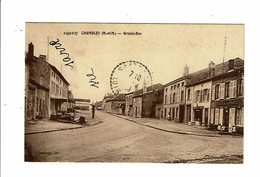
(129, 76)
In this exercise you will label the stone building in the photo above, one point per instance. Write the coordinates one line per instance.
(227, 105)
(116, 104)
(36, 86)
(146, 99)
(46, 89)
(208, 95)
(129, 104)
(59, 87)
(174, 98)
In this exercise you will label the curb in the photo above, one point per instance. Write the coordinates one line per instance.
(62, 129)
(169, 131)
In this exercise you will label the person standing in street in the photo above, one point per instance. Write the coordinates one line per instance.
(93, 111)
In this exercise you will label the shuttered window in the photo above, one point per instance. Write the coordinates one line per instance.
(213, 93)
(222, 87)
(240, 117)
(221, 116)
(212, 116)
(216, 116)
(231, 117)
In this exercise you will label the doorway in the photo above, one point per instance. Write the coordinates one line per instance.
(226, 117)
(206, 116)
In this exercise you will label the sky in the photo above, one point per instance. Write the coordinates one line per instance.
(164, 48)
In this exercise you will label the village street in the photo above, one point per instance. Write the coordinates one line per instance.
(118, 140)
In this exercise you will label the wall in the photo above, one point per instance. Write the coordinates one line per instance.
(137, 106)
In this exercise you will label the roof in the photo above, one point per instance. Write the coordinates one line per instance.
(204, 74)
(120, 97)
(59, 74)
(149, 89)
(81, 100)
(174, 81)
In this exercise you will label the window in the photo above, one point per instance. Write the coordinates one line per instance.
(165, 99)
(178, 86)
(57, 89)
(52, 87)
(166, 90)
(240, 87)
(182, 95)
(41, 80)
(201, 95)
(182, 84)
(171, 87)
(174, 86)
(170, 98)
(217, 91)
(173, 99)
(188, 99)
(177, 110)
(227, 90)
(197, 96)
(206, 95)
(216, 116)
(240, 117)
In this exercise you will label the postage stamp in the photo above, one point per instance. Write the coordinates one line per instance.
(144, 88)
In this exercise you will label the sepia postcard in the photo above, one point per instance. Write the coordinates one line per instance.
(134, 92)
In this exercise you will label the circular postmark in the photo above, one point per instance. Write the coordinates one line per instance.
(129, 76)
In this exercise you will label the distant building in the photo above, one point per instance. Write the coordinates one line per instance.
(98, 105)
(59, 88)
(129, 104)
(105, 99)
(82, 104)
(146, 99)
(116, 104)
(174, 98)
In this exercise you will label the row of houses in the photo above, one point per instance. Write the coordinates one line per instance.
(213, 96)
(46, 89)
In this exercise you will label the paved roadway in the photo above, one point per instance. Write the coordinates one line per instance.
(119, 140)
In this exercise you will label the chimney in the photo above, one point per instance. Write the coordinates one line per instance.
(31, 50)
(42, 57)
(231, 63)
(211, 69)
(186, 70)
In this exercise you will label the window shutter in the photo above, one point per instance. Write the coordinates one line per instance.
(222, 89)
(221, 116)
(212, 116)
(235, 89)
(231, 117)
(216, 116)
(213, 93)
(231, 89)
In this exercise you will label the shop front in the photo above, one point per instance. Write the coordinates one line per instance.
(228, 114)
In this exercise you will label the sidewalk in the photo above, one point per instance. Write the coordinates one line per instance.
(45, 126)
(170, 126)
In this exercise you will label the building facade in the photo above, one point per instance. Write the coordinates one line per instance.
(146, 99)
(174, 100)
(227, 106)
(46, 89)
(116, 105)
(37, 86)
(129, 111)
(59, 88)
